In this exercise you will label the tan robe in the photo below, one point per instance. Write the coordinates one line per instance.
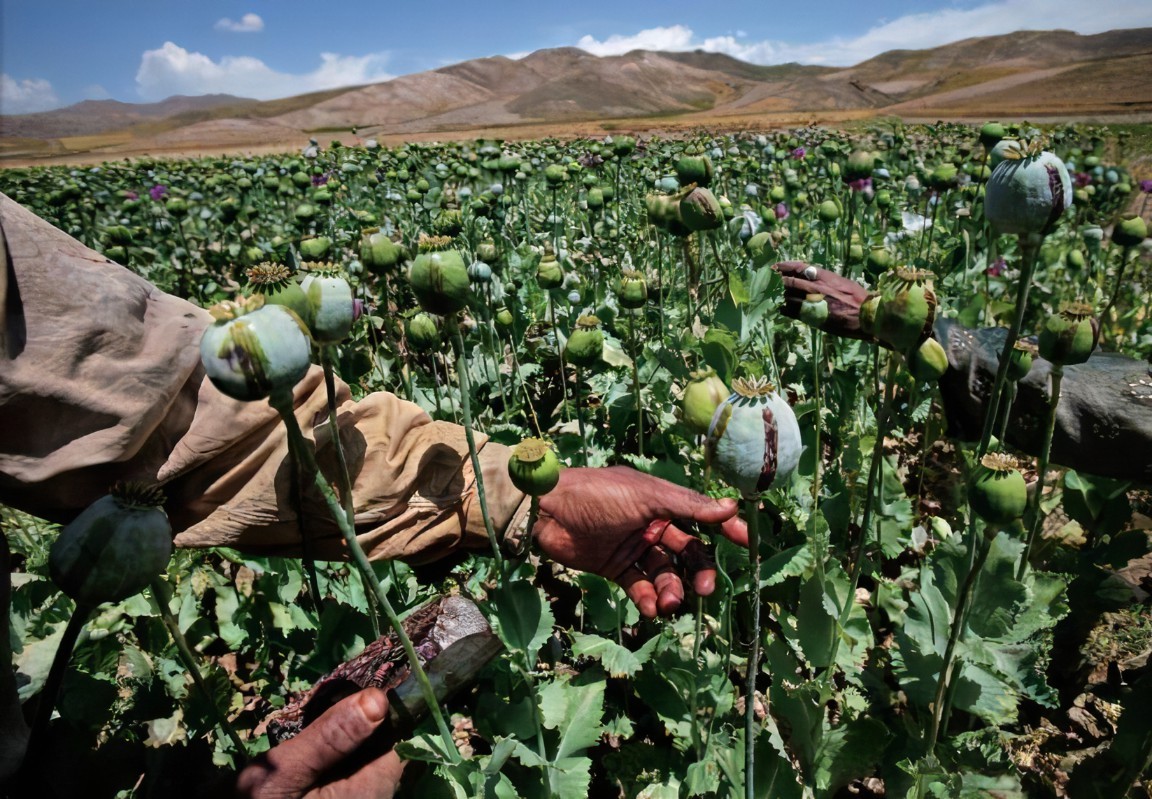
(100, 380)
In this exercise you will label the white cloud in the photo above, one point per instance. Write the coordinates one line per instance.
(173, 70)
(671, 38)
(26, 96)
(911, 32)
(249, 23)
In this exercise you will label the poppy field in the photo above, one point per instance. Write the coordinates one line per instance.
(924, 611)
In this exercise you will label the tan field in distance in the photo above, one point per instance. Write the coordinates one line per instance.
(1041, 76)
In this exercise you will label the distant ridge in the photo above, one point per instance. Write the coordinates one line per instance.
(1027, 73)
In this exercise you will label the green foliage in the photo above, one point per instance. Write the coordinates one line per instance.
(589, 699)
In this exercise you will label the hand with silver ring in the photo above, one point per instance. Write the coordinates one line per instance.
(844, 296)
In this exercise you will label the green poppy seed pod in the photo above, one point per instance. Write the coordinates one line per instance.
(254, 349)
(1004, 149)
(534, 467)
(332, 309)
(761, 248)
(549, 273)
(118, 235)
(554, 175)
(878, 262)
(943, 177)
(906, 309)
(777, 194)
(1020, 360)
(884, 199)
(252, 255)
(1076, 259)
(1027, 195)
(929, 361)
(595, 198)
(315, 248)
(991, 134)
(504, 318)
(479, 272)
(623, 145)
(753, 438)
(439, 277)
(700, 210)
(694, 169)
(275, 283)
(814, 310)
(304, 212)
(1069, 337)
(859, 166)
(379, 254)
(177, 207)
(997, 492)
(828, 211)
(633, 292)
(585, 346)
(703, 394)
(114, 548)
(486, 251)
(664, 212)
(422, 333)
(1130, 232)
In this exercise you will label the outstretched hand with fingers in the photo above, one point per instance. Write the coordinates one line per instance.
(621, 524)
(844, 296)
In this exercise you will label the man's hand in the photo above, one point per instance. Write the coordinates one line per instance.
(617, 522)
(300, 767)
(844, 296)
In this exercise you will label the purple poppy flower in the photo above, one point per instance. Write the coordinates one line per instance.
(157, 192)
(799, 153)
(781, 211)
(997, 268)
(357, 308)
(863, 184)
(320, 180)
(1082, 179)
(1146, 186)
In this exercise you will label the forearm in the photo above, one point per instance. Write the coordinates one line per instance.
(1103, 421)
(414, 492)
(100, 380)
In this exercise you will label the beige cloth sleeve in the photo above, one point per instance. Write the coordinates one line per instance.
(100, 380)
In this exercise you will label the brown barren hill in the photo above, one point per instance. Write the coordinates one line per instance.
(1056, 74)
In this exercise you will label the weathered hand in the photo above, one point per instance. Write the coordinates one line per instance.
(617, 522)
(302, 766)
(844, 296)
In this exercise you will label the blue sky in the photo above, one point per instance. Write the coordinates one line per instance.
(57, 52)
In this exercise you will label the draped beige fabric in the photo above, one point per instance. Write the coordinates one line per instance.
(100, 380)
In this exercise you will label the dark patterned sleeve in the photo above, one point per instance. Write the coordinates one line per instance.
(1103, 421)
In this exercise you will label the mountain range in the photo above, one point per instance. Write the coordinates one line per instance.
(1032, 74)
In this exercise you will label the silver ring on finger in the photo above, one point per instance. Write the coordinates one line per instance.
(810, 273)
